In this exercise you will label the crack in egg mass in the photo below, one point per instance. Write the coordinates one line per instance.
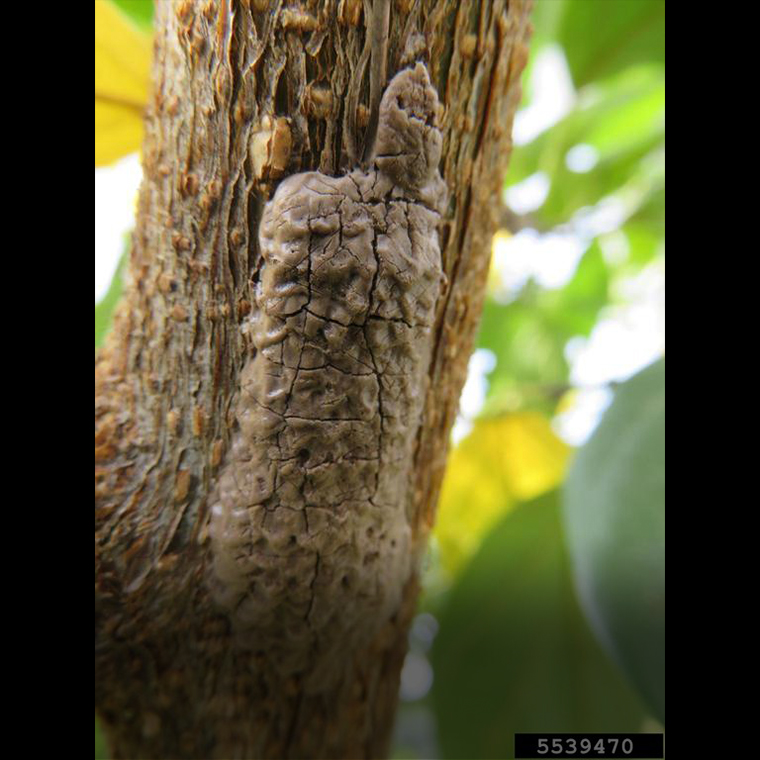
(310, 525)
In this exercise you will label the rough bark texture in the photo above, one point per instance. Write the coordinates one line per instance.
(246, 93)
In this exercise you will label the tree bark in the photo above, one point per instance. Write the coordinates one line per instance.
(244, 94)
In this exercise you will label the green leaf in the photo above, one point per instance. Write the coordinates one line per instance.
(104, 309)
(643, 238)
(614, 117)
(626, 110)
(528, 349)
(614, 512)
(528, 336)
(140, 11)
(623, 121)
(651, 213)
(578, 304)
(602, 37)
(514, 652)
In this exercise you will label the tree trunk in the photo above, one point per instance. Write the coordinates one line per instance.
(244, 94)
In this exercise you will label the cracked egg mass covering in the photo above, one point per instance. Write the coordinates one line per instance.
(310, 525)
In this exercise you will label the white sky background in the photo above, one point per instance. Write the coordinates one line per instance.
(628, 337)
(625, 340)
(115, 200)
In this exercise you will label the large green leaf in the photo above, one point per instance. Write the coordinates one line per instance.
(644, 238)
(614, 511)
(571, 192)
(602, 37)
(651, 213)
(140, 11)
(514, 653)
(615, 118)
(623, 121)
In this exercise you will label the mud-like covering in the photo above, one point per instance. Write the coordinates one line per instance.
(309, 528)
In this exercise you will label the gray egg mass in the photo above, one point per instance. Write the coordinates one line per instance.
(309, 528)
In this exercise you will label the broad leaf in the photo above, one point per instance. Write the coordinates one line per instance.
(614, 511)
(503, 460)
(514, 653)
(623, 122)
(602, 37)
(140, 11)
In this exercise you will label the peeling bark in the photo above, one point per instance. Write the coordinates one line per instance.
(244, 94)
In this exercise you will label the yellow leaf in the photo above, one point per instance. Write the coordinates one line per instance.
(117, 132)
(122, 75)
(503, 460)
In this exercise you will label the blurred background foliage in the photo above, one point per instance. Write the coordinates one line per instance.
(543, 602)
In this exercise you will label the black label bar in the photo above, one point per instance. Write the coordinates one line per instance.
(600, 746)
